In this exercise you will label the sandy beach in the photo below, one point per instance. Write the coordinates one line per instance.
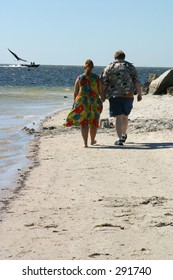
(101, 202)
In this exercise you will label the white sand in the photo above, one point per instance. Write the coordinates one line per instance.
(101, 202)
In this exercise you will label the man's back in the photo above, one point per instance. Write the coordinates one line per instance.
(119, 78)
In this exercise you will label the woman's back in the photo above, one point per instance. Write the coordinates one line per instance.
(89, 84)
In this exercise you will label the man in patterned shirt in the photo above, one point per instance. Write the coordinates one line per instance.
(120, 81)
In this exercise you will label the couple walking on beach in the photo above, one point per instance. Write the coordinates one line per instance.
(117, 83)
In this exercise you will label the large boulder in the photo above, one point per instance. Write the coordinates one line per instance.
(170, 90)
(145, 86)
(152, 77)
(160, 85)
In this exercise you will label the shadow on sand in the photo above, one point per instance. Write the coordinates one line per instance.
(137, 146)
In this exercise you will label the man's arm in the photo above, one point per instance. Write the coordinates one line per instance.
(138, 88)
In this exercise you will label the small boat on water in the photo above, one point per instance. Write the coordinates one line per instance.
(32, 64)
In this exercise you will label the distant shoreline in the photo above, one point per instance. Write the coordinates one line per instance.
(68, 65)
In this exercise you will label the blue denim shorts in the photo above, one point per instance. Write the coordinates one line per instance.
(120, 106)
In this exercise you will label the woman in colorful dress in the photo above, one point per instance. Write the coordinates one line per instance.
(87, 107)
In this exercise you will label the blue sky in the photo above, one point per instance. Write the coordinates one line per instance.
(66, 32)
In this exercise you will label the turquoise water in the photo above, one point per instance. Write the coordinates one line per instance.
(24, 107)
(27, 96)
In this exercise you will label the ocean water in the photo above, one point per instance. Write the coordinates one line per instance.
(27, 96)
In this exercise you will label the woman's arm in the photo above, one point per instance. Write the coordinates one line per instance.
(76, 88)
(101, 91)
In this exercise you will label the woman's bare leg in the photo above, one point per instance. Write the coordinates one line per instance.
(84, 132)
(93, 131)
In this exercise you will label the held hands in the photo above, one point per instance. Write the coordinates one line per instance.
(103, 99)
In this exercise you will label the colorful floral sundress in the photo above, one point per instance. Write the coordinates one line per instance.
(87, 106)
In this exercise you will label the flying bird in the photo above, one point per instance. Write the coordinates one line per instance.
(15, 55)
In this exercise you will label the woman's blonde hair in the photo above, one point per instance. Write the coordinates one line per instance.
(88, 66)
